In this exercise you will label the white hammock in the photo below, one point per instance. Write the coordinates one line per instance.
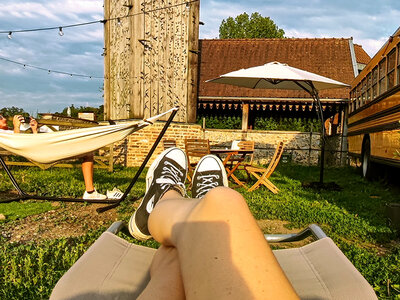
(48, 148)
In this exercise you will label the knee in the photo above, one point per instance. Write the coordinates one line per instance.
(88, 158)
(223, 199)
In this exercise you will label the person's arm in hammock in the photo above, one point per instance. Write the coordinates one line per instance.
(18, 119)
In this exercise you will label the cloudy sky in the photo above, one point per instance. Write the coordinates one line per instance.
(78, 51)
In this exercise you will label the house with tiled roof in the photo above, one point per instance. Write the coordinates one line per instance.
(336, 58)
(362, 57)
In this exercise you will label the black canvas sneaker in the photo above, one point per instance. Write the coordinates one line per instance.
(167, 172)
(209, 173)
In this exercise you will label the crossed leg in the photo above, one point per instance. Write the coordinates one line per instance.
(166, 280)
(220, 251)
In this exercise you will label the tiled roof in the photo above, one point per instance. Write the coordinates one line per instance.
(328, 57)
(361, 55)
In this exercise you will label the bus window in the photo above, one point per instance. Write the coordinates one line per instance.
(374, 82)
(352, 100)
(358, 103)
(391, 58)
(369, 87)
(364, 91)
(382, 74)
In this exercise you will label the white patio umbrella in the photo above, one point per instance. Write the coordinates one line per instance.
(275, 75)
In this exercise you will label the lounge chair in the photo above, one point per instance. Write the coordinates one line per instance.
(113, 268)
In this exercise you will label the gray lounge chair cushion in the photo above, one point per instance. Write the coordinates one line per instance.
(321, 271)
(112, 268)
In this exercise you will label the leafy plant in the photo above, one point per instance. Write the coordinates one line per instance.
(287, 124)
(30, 271)
(221, 122)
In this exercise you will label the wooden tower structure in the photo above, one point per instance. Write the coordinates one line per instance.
(151, 58)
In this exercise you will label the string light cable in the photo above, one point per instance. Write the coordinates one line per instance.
(50, 70)
(60, 28)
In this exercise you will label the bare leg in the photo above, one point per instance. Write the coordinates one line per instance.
(87, 170)
(222, 252)
(166, 280)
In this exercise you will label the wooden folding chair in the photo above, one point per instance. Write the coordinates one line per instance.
(237, 161)
(195, 149)
(243, 145)
(262, 174)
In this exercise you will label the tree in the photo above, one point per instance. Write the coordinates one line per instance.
(11, 111)
(256, 26)
(99, 111)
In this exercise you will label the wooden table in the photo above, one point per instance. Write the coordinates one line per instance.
(229, 153)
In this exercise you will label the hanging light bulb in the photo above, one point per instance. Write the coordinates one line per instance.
(10, 35)
(187, 5)
(60, 31)
(119, 22)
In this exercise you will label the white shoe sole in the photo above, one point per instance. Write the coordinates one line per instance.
(134, 231)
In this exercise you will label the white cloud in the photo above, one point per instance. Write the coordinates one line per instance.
(21, 10)
(93, 33)
(371, 46)
(14, 70)
(51, 10)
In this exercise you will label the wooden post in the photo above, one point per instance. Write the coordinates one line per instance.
(245, 117)
(106, 54)
(111, 158)
(136, 58)
(193, 61)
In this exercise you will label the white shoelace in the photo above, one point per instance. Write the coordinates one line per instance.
(170, 175)
(206, 184)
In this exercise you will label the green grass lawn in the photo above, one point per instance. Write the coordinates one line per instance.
(353, 217)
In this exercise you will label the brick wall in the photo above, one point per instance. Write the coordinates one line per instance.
(301, 147)
(132, 151)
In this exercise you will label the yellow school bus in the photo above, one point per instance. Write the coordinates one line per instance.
(374, 109)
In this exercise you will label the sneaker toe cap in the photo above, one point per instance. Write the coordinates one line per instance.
(209, 163)
(178, 155)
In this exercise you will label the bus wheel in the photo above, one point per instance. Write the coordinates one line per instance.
(366, 165)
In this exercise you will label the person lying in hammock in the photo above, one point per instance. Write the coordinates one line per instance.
(87, 163)
(17, 121)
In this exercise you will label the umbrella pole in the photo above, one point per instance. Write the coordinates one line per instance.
(315, 95)
(322, 164)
